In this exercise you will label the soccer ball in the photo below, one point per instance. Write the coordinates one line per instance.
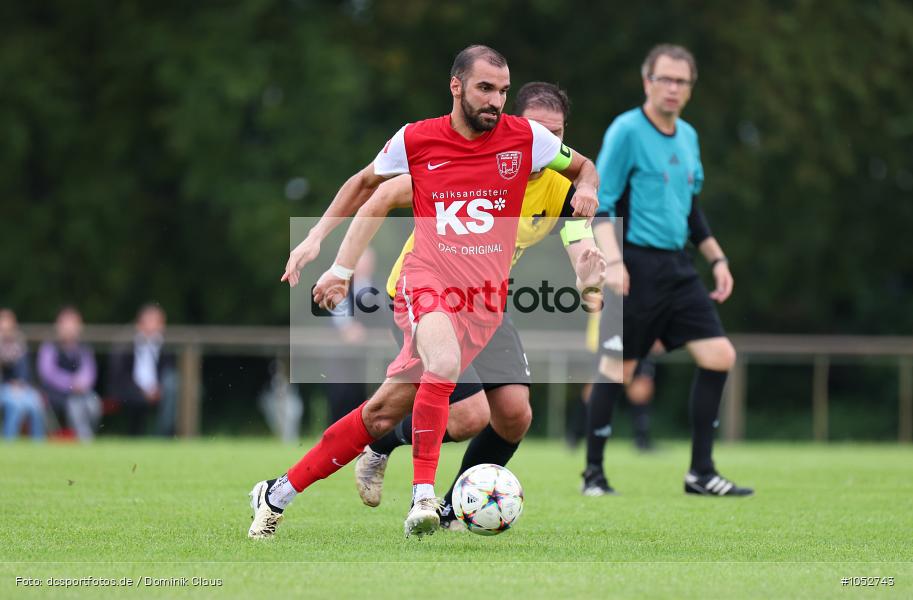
(488, 499)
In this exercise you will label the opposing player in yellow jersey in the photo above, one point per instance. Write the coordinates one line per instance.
(491, 398)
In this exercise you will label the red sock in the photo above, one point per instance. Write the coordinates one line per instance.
(429, 422)
(341, 442)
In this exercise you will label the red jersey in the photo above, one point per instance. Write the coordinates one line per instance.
(466, 198)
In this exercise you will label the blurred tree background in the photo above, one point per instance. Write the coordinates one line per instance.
(157, 150)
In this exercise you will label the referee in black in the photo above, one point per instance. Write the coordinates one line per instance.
(650, 174)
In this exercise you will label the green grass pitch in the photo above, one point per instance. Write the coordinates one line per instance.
(167, 510)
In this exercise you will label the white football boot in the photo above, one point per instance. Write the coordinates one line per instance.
(266, 520)
(424, 517)
(369, 475)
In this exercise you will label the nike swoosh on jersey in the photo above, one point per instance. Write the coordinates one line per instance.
(437, 166)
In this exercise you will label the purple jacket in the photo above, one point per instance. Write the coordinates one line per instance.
(61, 370)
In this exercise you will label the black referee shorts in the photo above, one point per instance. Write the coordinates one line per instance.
(667, 302)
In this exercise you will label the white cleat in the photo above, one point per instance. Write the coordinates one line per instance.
(423, 518)
(266, 520)
(369, 475)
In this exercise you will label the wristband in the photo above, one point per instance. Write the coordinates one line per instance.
(715, 261)
(575, 230)
(341, 271)
(613, 262)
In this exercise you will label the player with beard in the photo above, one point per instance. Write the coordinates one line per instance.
(472, 148)
(496, 386)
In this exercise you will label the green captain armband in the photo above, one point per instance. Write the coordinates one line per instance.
(562, 160)
(574, 231)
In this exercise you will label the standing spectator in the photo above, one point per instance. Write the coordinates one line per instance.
(17, 396)
(138, 372)
(67, 371)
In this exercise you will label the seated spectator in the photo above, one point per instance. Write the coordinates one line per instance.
(67, 372)
(17, 396)
(139, 373)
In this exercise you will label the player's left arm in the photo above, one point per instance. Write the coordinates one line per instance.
(700, 235)
(549, 152)
(582, 172)
(719, 265)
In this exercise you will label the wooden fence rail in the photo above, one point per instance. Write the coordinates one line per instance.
(556, 353)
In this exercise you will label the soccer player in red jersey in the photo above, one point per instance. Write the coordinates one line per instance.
(469, 172)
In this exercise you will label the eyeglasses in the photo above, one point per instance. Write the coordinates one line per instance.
(668, 81)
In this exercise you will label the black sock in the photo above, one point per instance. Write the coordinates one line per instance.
(487, 447)
(599, 418)
(576, 429)
(706, 393)
(400, 436)
(640, 418)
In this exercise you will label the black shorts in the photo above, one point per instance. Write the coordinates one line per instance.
(501, 362)
(666, 302)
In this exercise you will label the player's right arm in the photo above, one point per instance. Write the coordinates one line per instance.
(395, 193)
(390, 162)
(332, 286)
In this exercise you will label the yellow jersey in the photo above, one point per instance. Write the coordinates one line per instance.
(547, 199)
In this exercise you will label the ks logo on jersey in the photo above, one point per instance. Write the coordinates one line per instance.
(481, 220)
(509, 163)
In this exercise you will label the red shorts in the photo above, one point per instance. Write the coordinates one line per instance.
(423, 296)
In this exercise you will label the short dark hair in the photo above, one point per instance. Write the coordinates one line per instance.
(540, 94)
(672, 51)
(462, 64)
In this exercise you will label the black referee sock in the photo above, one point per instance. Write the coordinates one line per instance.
(640, 418)
(487, 447)
(602, 401)
(400, 436)
(706, 393)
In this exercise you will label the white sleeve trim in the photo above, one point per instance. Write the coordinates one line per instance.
(546, 146)
(392, 160)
